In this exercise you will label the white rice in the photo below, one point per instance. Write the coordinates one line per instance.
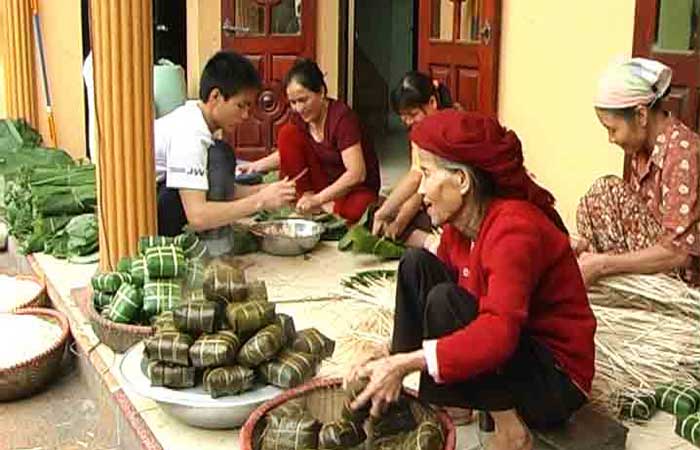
(25, 336)
(15, 292)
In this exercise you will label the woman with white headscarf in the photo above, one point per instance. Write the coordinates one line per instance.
(649, 223)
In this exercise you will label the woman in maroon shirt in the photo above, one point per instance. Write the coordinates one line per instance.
(499, 320)
(324, 143)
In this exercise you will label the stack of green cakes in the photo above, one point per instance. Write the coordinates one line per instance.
(231, 339)
(683, 401)
(166, 273)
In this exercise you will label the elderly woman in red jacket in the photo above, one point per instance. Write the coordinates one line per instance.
(499, 320)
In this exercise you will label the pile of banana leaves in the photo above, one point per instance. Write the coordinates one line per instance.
(360, 239)
(52, 210)
(48, 200)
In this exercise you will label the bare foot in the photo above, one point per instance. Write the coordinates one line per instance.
(511, 432)
(459, 416)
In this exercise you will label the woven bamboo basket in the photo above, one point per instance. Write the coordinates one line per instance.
(117, 336)
(40, 300)
(26, 378)
(324, 400)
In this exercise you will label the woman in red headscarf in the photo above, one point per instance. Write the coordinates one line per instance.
(499, 320)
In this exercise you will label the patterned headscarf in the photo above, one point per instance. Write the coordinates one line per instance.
(638, 81)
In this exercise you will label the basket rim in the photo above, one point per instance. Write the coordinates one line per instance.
(29, 303)
(65, 332)
(246, 435)
(124, 327)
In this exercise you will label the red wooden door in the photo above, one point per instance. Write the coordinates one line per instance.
(458, 43)
(272, 34)
(666, 30)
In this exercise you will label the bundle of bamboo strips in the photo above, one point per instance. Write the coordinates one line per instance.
(647, 330)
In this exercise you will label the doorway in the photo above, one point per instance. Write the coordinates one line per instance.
(383, 49)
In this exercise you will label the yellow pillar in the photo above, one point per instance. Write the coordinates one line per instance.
(18, 50)
(123, 71)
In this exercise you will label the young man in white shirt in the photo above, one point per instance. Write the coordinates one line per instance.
(227, 90)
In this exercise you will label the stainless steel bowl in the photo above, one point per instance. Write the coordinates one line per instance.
(288, 237)
(193, 406)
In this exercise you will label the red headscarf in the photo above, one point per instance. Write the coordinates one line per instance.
(478, 140)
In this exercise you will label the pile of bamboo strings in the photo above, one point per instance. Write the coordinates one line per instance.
(648, 330)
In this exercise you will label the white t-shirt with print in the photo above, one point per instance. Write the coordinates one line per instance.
(182, 140)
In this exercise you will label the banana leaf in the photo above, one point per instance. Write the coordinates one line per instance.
(109, 282)
(124, 265)
(160, 296)
(224, 284)
(146, 242)
(246, 319)
(139, 274)
(689, 428)
(231, 380)
(196, 318)
(78, 238)
(313, 341)
(164, 322)
(289, 330)
(191, 245)
(169, 347)
(194, 274)
(637, 406)
(290, 433)
(127, 304)
(427, 436)
(163, 374)
(678, 399)
(295, 407)
(63, 176)
(289, 369)
(218, 349)
(167, 261)
(244, 241)
(17, 133)
(56, 200)
(261, 347)
(360, 240)
(341, 434)
(101, 300)
(397, 418)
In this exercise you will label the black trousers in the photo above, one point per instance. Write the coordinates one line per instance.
(221, 174)
(429, 304)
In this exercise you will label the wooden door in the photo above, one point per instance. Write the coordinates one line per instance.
(666, 30)
(458, 43)
(272, 34)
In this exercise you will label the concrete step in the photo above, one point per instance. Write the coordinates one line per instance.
(588, 429)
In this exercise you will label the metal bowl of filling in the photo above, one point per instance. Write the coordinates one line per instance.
(288, 237)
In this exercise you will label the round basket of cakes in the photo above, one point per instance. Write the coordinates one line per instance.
(317, 415)
(210, 363)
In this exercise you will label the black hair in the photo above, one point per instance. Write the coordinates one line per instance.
(630, 112)
(228, 72)
(307, 73)
(414, 91)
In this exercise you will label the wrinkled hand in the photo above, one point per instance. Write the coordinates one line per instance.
(308, 203)
(385, 383)
(592, 266)
(278, 194)
(359, 365)
(382, 220)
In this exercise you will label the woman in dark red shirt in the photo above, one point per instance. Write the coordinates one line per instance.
(325, 141)
(499, 320)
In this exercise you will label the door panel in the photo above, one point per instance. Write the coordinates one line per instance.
(273, 34)
(667, 31)
(458, 43)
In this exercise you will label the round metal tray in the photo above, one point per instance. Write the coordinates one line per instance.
(193, 406)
